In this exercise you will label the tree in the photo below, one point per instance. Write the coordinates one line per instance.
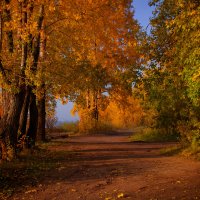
(107, 55)
(19, 59)
(96, 41)
(171, 79)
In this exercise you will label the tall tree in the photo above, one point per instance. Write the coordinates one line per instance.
(171, 79)
(20, 50)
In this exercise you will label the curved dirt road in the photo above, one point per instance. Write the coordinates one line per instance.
(110, 167)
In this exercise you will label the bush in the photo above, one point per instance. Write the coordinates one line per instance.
(190, 133)
(69, 127)
(154, 135)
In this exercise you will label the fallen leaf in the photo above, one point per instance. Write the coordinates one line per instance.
(121, 195)
(108, 198)
(30, 191)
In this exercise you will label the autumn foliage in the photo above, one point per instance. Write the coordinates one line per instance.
(66, 49)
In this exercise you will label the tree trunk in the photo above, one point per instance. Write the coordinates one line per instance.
(33, 122)
(9, 125)
(24, 114)
(9, 33)
(33, 118)
(3, 151)
(41, 135)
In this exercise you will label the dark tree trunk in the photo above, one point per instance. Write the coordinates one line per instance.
(14, 116)
(33, 122)
(41, 136)
(10, 123)
(5, 107)
(9, 33)
(33, 117)
(5, 103)
(24, 114)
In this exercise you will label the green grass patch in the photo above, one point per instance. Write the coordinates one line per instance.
(153, 135)
(185, 151)
(69, 127)
(171, 151)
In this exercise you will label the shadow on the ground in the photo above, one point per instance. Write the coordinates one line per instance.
(107, 161)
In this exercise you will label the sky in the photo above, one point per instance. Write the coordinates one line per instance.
(142, 13)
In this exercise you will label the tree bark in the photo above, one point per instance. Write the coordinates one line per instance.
(33, 117)
(24, 115)
(9, 124)
(33, 122)
(41, 135)
(9, 33)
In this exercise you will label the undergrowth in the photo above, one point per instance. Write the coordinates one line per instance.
(170, 151)
(189, 150)
(28, 169)
(181, 150)
(154, 135)
(69, 127)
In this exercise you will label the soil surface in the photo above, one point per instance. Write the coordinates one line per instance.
(110, 167)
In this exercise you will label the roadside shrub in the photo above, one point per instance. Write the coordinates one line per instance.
(154, 135)
(69, 127)
(190, 133)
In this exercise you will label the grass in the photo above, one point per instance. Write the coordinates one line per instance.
(181, 151)
(171, 151)
(69, 127)
(153, 135)
(190, 153)
(189, 150)
(28, 169)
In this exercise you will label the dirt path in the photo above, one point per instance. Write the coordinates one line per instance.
(110, 167)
